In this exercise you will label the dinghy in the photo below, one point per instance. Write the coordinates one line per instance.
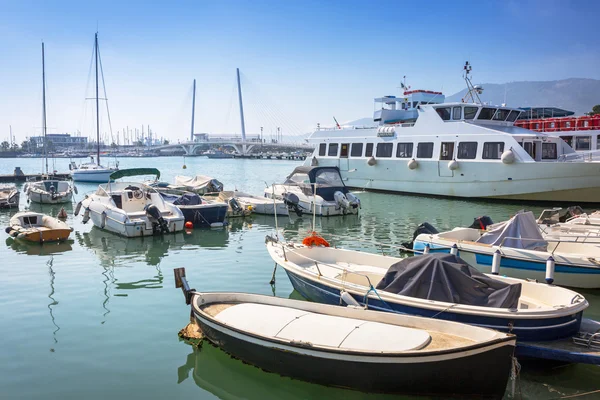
(37, 227)
(49, 191)
(352, 347)
(261, 205)
(524, 251)
(131, 209)
(235, 207)
(9, 196)
(530, 310)
(319, 187)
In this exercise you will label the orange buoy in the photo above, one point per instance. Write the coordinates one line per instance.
(315, 240)
(189, 225)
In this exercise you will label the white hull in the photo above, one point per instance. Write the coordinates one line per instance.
(561, 182)
(96, 176)
(47, 198)
(323, 208)
(262, 205)
(138, 227)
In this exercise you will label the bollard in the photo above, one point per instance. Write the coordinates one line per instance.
(426, 249)
(454, 249)
(550, 270)
(496, 262)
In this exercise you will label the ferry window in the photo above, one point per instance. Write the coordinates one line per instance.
(447, 151)
(444, 113)
(322, 149)
(492, 150)
(456, 113)
(548, 151)
(582, 143)
(501, 114)
(568, 140)
(356, 150)
(425, 150)
(529, 148)
(384, 149)
(333, 150)
(512, 117)
(470, 112)
(369, 150)
(486, 113)
(467, 150)
(404, 150)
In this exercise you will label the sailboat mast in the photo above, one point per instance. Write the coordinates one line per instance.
(97, 105)
(193, 111)
(44, 107)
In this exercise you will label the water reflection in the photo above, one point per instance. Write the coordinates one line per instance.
(115, 250)
(53, 303)
(39, 249)
(216, 372)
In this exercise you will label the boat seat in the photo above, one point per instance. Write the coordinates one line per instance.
(322, 330)
(360, 278)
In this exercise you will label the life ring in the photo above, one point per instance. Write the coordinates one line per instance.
(315, 240)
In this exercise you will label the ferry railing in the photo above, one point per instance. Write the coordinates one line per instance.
(582, 156)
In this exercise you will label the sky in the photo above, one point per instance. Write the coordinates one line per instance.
(301, 62)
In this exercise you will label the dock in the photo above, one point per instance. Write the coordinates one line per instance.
(19, 176)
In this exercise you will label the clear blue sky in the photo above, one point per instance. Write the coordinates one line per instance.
(303, 61)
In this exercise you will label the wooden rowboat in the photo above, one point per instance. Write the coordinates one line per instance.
(37, 227)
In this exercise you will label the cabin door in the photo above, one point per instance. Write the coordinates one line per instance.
(344, 162)
(446, 155)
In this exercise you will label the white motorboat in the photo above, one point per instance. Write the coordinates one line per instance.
(468, 149)
(315, 189)
(131, 209)
(523, 251)
(352, 347)
(47, 190)
(9, 196)
(93, 171)
(261, 205)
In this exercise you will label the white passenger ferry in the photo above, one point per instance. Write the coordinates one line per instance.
(470, 150)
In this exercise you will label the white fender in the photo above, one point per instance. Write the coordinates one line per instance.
(412, 164)
(453, 165)
(508, 157)
(372, 161)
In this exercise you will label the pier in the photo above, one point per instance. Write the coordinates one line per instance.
(19, 176)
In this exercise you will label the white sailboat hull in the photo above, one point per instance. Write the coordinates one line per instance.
(92, 175)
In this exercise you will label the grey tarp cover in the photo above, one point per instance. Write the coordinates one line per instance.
(522, 226)
(446, 277)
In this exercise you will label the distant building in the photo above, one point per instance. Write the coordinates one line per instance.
(61, 140)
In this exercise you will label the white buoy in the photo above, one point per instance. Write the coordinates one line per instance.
(348, 299)
(550, 264)
(372, 161)
(453, 165)
(508, 157)
(454, 250)
(412, 164)
(426, 249)
(496, 262)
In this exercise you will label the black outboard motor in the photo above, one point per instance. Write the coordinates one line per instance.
(425, 227)
(235, 206)
(481, 222)
(293, 203)
(52, 192)
(159, 225)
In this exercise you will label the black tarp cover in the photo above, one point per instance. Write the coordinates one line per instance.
(187, 199)
(446, 277)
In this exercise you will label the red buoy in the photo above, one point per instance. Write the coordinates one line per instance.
(189, 225)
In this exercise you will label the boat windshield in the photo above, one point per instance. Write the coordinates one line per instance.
(328, 178)
(297, 179)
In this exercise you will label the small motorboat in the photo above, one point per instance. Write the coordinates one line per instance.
(9, 196)
(131, 209)
(319, 187)
(354, 348)
(37, 227)
(49, 191)
(198, 184)
(261, 205)
(236, 208)
(524, 251)
(200, 212)
(530, 310)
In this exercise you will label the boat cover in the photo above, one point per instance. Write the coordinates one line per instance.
(523, 227)
(187, 199)
(199, 182)
(446, 277)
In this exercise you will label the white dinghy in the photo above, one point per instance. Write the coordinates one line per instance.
(131, 209)
(261, 205)
(352, 347)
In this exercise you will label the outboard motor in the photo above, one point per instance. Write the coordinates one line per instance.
(293, 203)
(341, 200)
(214, 186)
(426, 228)
(481, 223)
(52, 191)
(159, 225)
(235, 206)
(354, 201)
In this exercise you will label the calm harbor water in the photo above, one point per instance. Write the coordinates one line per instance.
(98, 316)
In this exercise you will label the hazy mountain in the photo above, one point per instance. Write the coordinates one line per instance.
(574, 94)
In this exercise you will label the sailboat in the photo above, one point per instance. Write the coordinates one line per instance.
(47, 190)
(93, 171)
